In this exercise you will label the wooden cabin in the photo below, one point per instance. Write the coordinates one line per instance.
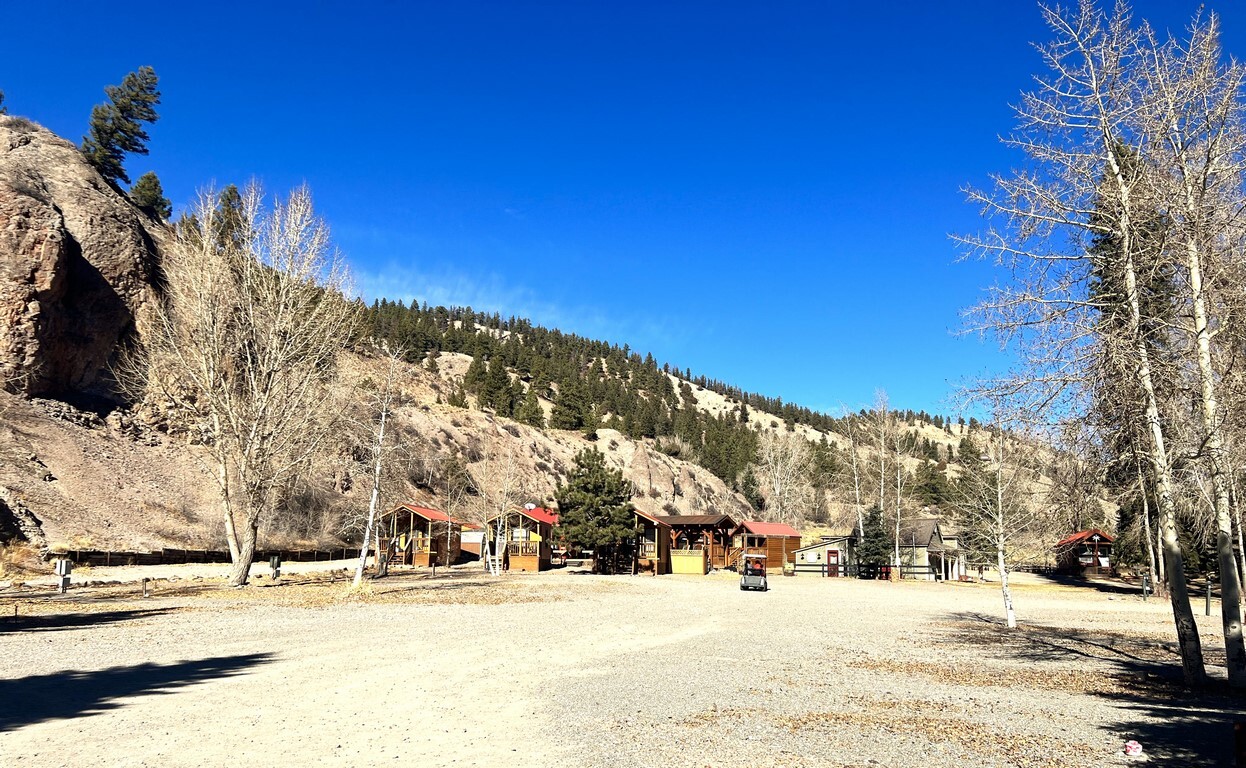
(929, 551)
(699, 542)
(420, 536)
(777, 541)
(653, 545)
(527, 533)
(1085, 553)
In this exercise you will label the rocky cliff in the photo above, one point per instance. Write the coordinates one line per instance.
(77, 262)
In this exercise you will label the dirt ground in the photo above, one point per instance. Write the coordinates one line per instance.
(566, 668)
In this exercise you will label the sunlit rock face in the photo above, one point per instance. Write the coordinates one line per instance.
(77, 263)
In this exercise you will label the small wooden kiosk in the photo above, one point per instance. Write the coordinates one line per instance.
(420, 536)
(699, 542)
(1085, 552)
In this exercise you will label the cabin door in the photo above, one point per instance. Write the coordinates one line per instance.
(832, 562)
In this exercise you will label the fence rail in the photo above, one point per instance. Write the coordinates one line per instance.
(97, 557)
(858, 571)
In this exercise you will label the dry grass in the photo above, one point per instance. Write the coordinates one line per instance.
(950, 731)
(19, 560)
(937, 724)
(312, 590)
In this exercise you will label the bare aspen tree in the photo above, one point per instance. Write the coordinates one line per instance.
(995, 509)
(880, 428)
(501, 489)
(785, 469)
(385, 402)
(901, 478)
(244, 345)
(1077, 128)
(1195, 114)
(1152, 565)
(851, 428)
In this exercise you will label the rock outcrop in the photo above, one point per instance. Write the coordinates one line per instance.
(77, 263)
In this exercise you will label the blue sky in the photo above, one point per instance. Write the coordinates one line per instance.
(759, 192)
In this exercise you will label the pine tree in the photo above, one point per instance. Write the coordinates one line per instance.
(752, 494)
(530, 412)
(932, 487)
(229, 215)
(116, 127)
(475, 374)
(457, 398)
(3, 109)
(875, 550)
(595, 510)
(148, 195)
(570, 410)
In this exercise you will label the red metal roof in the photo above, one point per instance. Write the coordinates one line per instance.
(541, 515)
(758, 528)
(1080, 536)
(434, 515)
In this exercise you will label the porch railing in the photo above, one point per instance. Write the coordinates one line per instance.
(527, 549)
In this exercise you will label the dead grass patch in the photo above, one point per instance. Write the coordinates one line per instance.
(1031, 677)
(981, 741)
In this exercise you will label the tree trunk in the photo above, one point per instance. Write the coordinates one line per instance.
(1162, 574)
(1009, 615)
(240, 571)
(227, 509)
(1146, 524)
(1192, 664)
(376, 492)
(856, 487)
(1230, 585)
(1241, 543)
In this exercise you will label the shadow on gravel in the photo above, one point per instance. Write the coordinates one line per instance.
(1141, 675)
(59, 621)
(1036, 642)
(1196, 729)
(73, 693)
(1107, 587)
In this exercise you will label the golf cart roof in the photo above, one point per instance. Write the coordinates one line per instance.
(754, 557)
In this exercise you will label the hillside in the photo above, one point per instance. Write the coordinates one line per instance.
(81, 467)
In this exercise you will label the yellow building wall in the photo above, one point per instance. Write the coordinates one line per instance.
(525, 563)
(689, 563)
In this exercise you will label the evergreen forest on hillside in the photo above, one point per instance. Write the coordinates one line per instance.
(596, 384)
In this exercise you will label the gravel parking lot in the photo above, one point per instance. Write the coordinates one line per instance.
(574, 669)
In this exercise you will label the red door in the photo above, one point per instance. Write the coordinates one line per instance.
(832, 562)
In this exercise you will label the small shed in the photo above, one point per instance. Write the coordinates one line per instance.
(777, 541)
(830, 556)
(699, 542)
(420, 536)
(1085, 552)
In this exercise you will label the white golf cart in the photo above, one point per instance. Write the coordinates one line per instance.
(753, 573)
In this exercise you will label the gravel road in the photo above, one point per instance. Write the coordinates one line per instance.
(581, 670)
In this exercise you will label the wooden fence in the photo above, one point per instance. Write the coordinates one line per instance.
(182, 556)
(856, 571)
